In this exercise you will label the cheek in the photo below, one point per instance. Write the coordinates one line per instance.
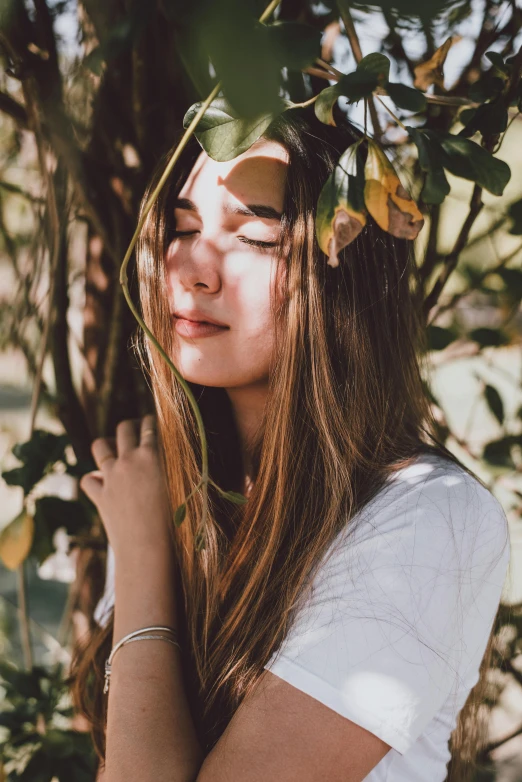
(256, 292)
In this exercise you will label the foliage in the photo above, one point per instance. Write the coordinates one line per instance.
(38, 743)
(31, 532)
(89, 128)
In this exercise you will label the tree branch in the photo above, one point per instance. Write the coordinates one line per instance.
(14, 109)
(476, 284)
(353, 38)
(397, 49)
(452, 258)
(476, 202)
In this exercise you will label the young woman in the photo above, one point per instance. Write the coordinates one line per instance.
(334, 626)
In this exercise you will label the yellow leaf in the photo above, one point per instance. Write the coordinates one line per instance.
(340, 209)
(390, 205)
(431, 71)
(16, 540)
(346, 226)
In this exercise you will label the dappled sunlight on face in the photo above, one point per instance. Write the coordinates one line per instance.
(221, 261)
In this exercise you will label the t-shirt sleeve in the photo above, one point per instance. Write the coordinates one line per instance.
(400, 612)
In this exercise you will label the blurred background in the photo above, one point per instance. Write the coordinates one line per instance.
(91, 95)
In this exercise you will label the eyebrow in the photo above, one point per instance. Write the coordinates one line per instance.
(246, 210)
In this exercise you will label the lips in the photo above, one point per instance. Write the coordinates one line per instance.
(197, 323)
(193, 328)
(197, 316)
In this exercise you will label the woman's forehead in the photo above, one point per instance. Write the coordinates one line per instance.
(261, 170)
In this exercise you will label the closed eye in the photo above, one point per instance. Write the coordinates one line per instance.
(244, 239)
(256, 243)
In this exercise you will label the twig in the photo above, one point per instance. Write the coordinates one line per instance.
(321, 74)
(397, 120)
(476, 284)
(34, 124)
(14, 109)
(442, 100)
(452, 259)
(329, 67)
(16, 190)
(353, 38)
(23, 617)
(496, 744)
(111, 361)
(476, 203)
(430, 257)
(205, 478)
(397, 40)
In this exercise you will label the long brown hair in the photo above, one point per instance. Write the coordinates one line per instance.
(346, 407)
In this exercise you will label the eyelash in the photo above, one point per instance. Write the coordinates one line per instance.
(254, 242)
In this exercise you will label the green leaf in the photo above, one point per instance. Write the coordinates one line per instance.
(488, 86)
(406, 97)
(57, 743)
(235, 497)
(357, 85)
(498, 62)
(436, 186)
(37, 454)
(512, 279)
(189, 48)
(39, 769)
(465, 115)
(487, 337)
(431, 156)
(293, 44)
(200, 540)
(498, 452)
(223, 134)
(180, 514)
(122, 35)
(22, 683)
(494, 401)
(515, 213)
(371, 71)
(341, 214)
(237, 45)
(94, 60)
(464, 158)
(325, 102)
(377, 64)
(51, 513)
(439, 338)
(490, 119)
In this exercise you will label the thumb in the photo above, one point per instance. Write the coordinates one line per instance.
(91, 484)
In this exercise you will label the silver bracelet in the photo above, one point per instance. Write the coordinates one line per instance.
(137, 635)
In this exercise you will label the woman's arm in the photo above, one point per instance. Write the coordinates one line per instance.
(278, 733)
(150, 733)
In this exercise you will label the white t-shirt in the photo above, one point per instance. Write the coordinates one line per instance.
(400, 612)
(399, 615)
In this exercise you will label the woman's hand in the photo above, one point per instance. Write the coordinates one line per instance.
(130, 491)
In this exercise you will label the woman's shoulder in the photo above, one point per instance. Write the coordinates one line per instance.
(434, 502)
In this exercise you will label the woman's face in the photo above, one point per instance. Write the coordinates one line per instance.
(223, 265)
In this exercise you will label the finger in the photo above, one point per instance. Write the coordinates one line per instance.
(92, 484)
(103, 453)
(148, 431)
(126, 436)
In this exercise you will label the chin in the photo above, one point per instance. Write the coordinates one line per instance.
(198, 371)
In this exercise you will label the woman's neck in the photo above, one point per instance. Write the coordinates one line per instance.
(248, 404)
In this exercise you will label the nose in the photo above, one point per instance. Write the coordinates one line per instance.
(195, 263)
